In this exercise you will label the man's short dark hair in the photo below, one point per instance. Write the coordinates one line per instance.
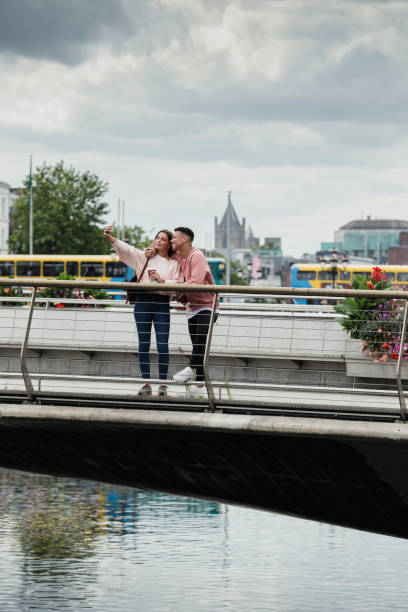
(187, 231)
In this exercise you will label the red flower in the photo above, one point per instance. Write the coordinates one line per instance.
(60, 305)
(394, 356)
(377, 274)
(370, 285)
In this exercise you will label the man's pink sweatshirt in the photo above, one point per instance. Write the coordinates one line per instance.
(196, 271)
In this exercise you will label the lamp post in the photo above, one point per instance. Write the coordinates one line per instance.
(229, 239)
(334, 260)
(332, 264)
(249, 271)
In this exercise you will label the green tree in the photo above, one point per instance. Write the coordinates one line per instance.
(68, 213)
(238, 273)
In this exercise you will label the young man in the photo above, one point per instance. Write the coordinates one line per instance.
(195, 270)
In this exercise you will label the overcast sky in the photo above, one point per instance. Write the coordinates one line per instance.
(298, 107)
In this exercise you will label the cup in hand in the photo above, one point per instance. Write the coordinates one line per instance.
(150, 273)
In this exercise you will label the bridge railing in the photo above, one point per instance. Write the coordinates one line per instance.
(247, 328)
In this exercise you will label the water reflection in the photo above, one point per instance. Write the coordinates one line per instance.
(58, 530)
(61, 518)
(76, 545)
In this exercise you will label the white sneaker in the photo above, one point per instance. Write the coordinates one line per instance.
(184, 375)
(197, 392)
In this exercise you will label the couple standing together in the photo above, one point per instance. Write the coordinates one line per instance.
(171, 259)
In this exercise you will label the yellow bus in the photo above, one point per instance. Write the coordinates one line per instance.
(82, 267)
(320, 276)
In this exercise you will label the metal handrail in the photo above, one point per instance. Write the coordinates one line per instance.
(175, 288)
(208, 383)
(401, 396)
(26, 375)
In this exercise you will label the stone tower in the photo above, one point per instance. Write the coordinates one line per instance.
(237, 229)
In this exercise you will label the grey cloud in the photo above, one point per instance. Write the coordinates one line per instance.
(195, 143)
(59, 30)
(364, 87)
(354, 104)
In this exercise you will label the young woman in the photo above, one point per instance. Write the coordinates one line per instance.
(151, 308)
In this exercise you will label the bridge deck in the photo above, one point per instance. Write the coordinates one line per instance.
(334, 400)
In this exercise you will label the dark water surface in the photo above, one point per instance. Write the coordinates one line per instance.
(76, 545)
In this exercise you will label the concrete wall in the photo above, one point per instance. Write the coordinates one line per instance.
(261, 335)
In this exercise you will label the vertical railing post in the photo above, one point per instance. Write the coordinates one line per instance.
(403, 405)
(26, 375)
(208, 384)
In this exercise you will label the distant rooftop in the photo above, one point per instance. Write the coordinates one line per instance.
(375, 224)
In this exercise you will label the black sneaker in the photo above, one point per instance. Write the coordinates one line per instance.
(163, 390)
(145, 390)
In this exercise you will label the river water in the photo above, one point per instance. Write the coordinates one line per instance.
(77, 545)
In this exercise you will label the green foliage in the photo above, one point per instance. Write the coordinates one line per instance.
(238, 275)
(12, 292)
(136, 236)
(68, 213)
(72, 293)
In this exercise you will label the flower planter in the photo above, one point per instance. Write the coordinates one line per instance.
(375, 328)
(358, 364)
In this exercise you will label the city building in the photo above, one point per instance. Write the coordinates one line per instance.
(368, 238)
(399, 255)
(250, 241)
(247, 249)
(272, 245)
(7, 197)
(237, 229)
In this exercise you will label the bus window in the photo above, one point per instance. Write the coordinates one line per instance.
(327, 275)
(306, 275)
(28, 268)
(53, 268)
(390, 276)
(402, 277)
(361, 273)
(115, 269)
(344, 275)
(6, 268)
(72, 268)
(221, 274)
(91, 269)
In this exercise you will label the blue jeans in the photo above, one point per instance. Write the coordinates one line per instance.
(153, 308)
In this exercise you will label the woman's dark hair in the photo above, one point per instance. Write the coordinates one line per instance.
(169, 235)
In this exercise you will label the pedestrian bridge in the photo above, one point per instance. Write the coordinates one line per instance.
(294, 419)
